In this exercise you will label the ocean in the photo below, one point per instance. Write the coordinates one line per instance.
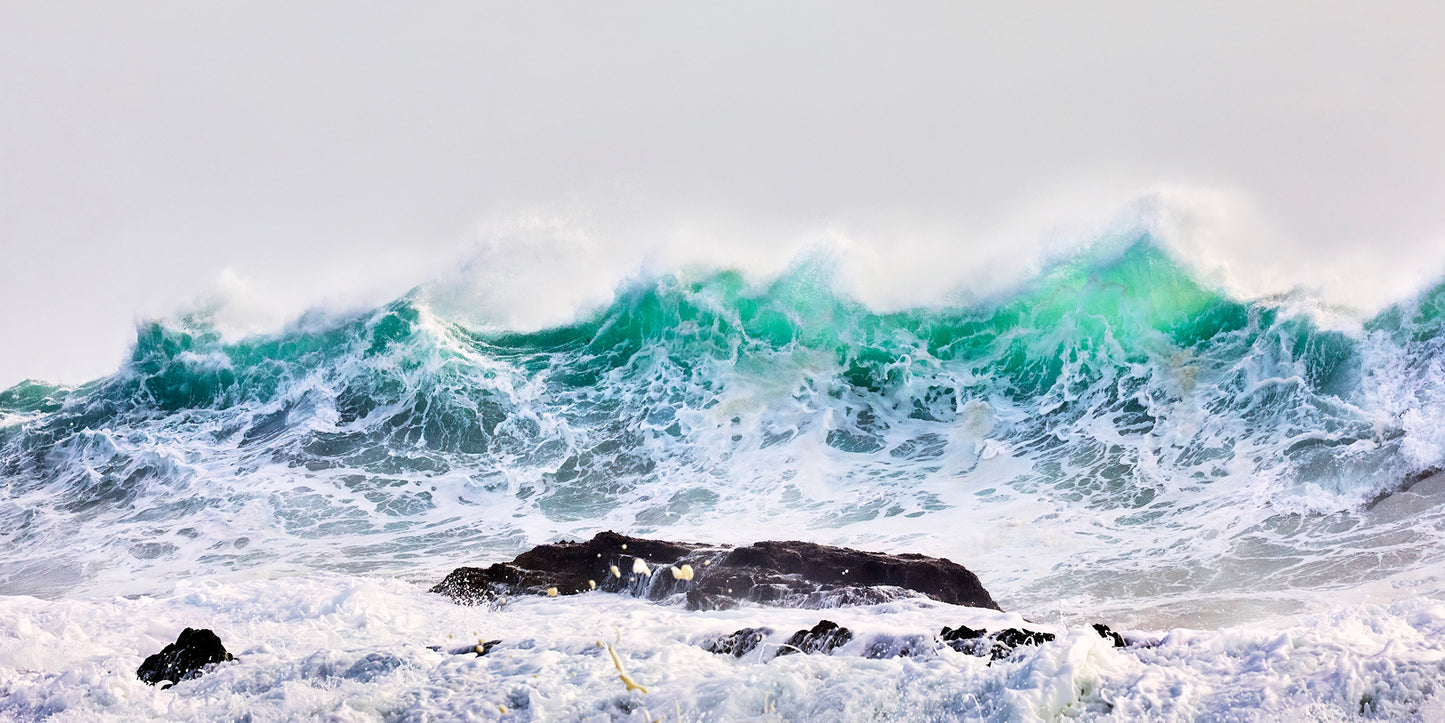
(1249, 488)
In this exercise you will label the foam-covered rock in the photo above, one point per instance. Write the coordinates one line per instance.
(825, 637)
(1107, 633)
(997, 645)
(184, 659)
(739, 643)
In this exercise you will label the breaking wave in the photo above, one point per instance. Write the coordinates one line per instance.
(1112, 431)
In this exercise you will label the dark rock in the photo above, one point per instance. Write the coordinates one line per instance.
(840, 567)
(966, 640)
(699, 600)
(1014, 637)
(791, 574)
(962, 632)
(472, 585)
(1104, 632)
(1007, 640)
(824, 637)
(739, 643)
(996, 646)
(828, 636)
(571, 567)
(184, 659)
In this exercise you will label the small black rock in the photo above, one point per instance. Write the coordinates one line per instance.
(1104, 632)
(183, 659)
(824, 637)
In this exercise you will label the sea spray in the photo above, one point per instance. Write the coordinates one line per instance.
(1111, 431)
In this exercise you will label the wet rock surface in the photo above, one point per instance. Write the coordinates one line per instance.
(184, 659)
(827, 637)
(1015, 637)
(840, 567)
(824, 638)
(739, 643)
(1105, 632)
(996, 646)
(962, 632)
(785, 574)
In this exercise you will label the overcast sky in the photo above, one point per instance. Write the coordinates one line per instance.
(152, 153)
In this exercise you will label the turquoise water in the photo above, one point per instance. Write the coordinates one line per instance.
(1111, 432)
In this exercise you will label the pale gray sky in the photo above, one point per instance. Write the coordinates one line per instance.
(330, 152)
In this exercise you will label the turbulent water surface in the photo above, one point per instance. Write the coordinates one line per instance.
(1113, 440)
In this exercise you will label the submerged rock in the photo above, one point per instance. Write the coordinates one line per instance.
(788, 574)
(827, 636)
(967, 640)
(480, 649)
(739, 643)
(996, 646)
(885, 646)
(824, 637)
(699, 600)
(184, 659)
(1006, 641)
(1014, 637)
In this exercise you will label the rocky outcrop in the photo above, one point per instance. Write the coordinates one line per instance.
(704, 577)
(184, 659)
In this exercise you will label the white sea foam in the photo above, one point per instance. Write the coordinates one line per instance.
(356, 649)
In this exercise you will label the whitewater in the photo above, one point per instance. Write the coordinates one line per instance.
(1251, 488)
